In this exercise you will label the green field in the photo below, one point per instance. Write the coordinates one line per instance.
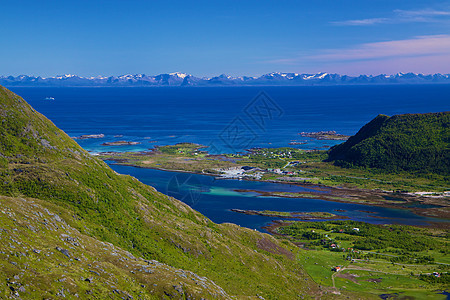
(375, 259)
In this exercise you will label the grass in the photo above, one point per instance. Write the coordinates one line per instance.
(185, 157)
(275, 213)
(319, 265)
(376, 283)
(371, 272)
(31, 235)
(315, 214)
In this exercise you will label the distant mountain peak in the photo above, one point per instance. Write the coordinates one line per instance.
(184, 79)
(180, 75)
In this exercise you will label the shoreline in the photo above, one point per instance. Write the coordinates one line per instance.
(304, 216)
(272, 227)
(334, 192)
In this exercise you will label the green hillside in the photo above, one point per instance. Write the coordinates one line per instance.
(45, 176)
(411, 142)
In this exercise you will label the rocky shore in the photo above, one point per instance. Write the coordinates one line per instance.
(89, 136)
(325, 135)
(120, 143)
(291, 215)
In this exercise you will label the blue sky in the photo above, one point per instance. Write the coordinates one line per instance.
(206, 38)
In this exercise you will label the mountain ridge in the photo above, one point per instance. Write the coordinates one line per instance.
(183, 79)
(406, 142)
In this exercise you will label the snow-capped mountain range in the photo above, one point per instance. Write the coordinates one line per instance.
(182, 79)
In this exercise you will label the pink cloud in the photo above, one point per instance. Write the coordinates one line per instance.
(423, 64)
(418, 46)
(400, 16)
(422, 54)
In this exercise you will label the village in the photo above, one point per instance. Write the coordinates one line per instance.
(264, 161)
(247, 172)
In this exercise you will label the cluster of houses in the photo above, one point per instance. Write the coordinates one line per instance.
(281, 172)
(336, 247)
(248, 171)
(241, 172)
(436, 274)
(272, 154)
(342, 230)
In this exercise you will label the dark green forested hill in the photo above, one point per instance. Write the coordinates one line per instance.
(69, 225)
(409, 142)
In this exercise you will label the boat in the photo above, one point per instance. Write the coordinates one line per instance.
(49, 98)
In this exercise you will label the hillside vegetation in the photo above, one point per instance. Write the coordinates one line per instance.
(43, 256)
(46, 176)
(411, 142)
(385, 261)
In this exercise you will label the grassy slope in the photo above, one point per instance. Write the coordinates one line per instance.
(411, 142)
(33, 237)
(38, 160)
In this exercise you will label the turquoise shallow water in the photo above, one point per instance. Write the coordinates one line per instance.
(215, 199)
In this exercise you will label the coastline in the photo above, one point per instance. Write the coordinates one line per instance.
(338, 194)
(310, 216)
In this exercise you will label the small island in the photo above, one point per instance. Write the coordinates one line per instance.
(314, 215)
(120, 143)
(325, 135)
(89, 136)
(297, 143)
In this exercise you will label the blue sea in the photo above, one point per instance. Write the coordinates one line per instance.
(232, 119)
(227, 118)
